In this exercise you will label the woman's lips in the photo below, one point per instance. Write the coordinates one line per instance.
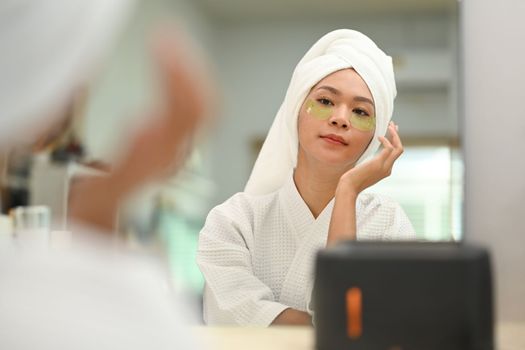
(334, 139)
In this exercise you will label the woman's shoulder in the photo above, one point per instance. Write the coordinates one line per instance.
(243, 204)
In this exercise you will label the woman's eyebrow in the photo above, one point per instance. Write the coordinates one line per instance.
(337, 92)
(364, 99)
(329, 88)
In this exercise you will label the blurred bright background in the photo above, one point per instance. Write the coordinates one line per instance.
(253, 47)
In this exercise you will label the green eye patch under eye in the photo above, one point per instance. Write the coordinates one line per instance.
(318, 110)
(323, 112)
(362, 123)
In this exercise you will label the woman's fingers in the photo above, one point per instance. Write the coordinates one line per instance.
(397, 146)
(387, 150)
(396, 140)
(376, 169)
(392, 148)
(182, 90)
(161, 145)
(188, 88)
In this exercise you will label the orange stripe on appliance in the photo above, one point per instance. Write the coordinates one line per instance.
(354, 312)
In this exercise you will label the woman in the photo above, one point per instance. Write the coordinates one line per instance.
(257, 249)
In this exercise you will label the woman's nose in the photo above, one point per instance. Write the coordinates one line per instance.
(339, 119)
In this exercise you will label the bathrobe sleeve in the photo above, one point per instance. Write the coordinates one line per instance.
(402, 230)
(233, 294)
(383, 219)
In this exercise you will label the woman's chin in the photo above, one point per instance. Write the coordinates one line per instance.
(335, 160)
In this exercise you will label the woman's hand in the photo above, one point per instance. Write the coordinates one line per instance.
(159, 147)
(351, 183)
(369, 173)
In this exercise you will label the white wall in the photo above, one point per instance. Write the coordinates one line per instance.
(494, 129)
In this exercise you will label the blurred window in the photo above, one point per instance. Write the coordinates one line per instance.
(427, 181)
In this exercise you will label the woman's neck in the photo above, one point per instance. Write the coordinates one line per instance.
(316, 184)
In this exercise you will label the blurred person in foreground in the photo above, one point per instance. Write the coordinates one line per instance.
(91, 293)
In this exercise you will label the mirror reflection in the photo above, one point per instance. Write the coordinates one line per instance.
(347, 101)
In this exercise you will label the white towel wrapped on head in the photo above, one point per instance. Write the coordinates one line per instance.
(48, 49)
(340, 49)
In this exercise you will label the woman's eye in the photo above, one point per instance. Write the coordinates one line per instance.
(361, 112)
(325, 101)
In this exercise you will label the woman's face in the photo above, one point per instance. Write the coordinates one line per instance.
(337, 120)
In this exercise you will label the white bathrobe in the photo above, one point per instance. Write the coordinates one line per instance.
(257, 251)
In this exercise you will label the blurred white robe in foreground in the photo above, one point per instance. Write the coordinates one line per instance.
(90, 294)
(257, 251)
